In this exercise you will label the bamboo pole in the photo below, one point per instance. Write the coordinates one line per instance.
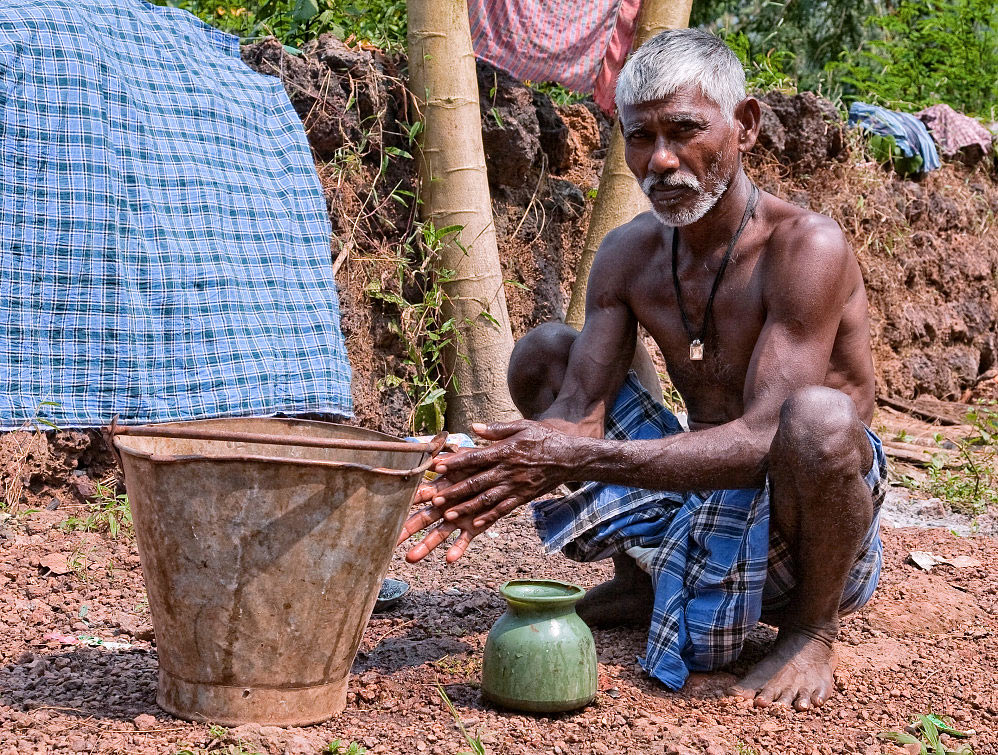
(455, 192)
(619, 197)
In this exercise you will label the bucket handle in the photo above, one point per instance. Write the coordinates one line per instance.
(432, 448)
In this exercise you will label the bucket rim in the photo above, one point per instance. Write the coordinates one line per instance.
(121, 446)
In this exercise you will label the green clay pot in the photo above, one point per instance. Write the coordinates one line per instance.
(540, 655)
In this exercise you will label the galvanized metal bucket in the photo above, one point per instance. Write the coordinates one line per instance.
(263, 544)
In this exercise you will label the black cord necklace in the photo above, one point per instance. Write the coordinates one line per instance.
(697, 339)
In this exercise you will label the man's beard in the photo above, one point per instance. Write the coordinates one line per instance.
(707, 196)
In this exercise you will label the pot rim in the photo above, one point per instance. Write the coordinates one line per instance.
(573, 592)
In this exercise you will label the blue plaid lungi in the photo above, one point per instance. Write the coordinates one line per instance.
(164, 241)
(715, 565)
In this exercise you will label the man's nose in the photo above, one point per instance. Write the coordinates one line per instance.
(663, 158)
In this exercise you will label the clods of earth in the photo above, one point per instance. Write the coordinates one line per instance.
(927, 642)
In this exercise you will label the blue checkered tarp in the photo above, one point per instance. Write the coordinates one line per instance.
(164, 243)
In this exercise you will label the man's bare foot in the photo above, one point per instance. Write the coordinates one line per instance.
(625, 600)
(798, 672)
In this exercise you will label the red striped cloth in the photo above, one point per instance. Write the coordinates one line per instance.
(580, 45)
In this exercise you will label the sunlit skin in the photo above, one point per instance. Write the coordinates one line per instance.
(784, 390)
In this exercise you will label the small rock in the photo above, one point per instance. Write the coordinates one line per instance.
(144, 722)
(299, 745)
(245, 733)
(54, 563)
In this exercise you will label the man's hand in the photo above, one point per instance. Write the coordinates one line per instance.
(439, 534)
(478, 487)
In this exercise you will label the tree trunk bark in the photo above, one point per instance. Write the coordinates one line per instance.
(619, 197)
(455, 192)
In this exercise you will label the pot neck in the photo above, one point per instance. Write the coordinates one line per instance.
(541, 597)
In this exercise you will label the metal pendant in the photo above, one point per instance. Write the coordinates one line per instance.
(696, 350)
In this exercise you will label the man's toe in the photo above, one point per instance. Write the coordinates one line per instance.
(786, 697)
(804, 700)
(766, 697)
(819, 696)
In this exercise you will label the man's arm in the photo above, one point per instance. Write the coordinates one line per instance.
(597, 366)
(603, 351)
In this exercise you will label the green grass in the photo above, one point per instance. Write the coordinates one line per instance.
(108, 511)
(336, 747)
(475, 743)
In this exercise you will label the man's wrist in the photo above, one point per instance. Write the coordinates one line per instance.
(588, 453)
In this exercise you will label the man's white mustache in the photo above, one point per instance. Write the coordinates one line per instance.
(655, 180)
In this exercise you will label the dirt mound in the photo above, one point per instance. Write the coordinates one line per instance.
(47, 469)
(804, 131)
(929, 257)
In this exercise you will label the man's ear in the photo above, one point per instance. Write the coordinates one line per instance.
(747, 118)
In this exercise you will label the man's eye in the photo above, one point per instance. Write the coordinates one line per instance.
(637, 135)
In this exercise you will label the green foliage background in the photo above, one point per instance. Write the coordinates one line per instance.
(378, 22)
(927, 52)
(904, 54)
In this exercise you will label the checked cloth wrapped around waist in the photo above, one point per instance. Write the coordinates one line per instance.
(713, 564)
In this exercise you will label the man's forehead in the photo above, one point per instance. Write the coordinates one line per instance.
(686, 103)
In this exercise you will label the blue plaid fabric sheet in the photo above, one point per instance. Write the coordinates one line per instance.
(164, 243)
(714, 568)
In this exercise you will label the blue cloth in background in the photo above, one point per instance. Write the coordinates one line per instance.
(164, 243)
(910, 134)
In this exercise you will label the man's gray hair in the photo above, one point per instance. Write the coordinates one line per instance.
(682, 57)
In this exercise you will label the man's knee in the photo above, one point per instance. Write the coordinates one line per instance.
(821, 432)
(537, 366)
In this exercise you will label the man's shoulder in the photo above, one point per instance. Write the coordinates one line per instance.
(801, 237)
(640, 236)
(807, 259)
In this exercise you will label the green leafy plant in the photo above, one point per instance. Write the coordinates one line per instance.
(790, 40)
(417, 292)
(381, 23)
(559, 94)
(108, 511)
(924, 52)
(766, 69)
(973, 486)
(884, 149)
(924, 732)
(336, 747)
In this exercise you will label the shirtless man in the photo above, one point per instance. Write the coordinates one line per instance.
(775, 368)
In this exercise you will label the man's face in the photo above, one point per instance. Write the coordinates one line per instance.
(683, 152)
